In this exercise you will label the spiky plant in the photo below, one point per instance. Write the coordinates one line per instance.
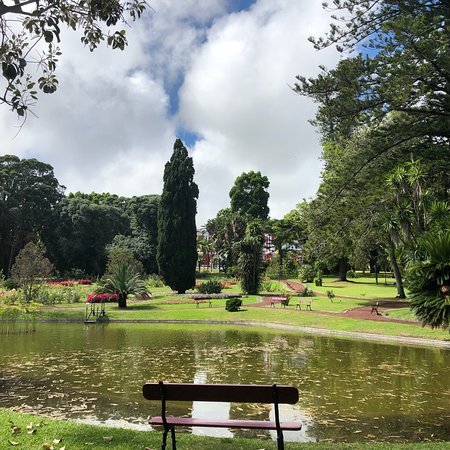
(428, 279)
(123, 281)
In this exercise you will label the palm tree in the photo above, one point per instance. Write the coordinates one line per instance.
(428, 279)
(123, 281)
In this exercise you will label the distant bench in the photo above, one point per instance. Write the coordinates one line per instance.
(283, 301)
(198, 301)
(233, 393)
(307, 302)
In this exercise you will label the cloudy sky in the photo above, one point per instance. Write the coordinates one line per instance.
(216, 73)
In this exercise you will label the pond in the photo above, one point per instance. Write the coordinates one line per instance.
(349, 390)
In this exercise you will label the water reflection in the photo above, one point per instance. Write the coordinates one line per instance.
(349, 390)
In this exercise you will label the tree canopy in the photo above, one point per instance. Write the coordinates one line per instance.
(384, 117)
(177, 232)
(30, 32)
(249, 195)
(29, 192)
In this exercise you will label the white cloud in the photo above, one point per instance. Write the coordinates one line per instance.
(237, 97)
(110, 126)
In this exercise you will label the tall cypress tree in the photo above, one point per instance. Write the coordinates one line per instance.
(177, 233)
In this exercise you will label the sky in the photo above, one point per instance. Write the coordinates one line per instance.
(217, 74)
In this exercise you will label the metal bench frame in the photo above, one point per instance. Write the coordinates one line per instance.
(233, 393)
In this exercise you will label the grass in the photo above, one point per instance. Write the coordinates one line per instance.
(23, 431)
(362, 287)
(402, 313)
(159, 309)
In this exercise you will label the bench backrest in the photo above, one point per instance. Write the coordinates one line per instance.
(234, 393)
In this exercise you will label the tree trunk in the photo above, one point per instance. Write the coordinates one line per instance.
(396, 270)
(122, 300)
(343, 268)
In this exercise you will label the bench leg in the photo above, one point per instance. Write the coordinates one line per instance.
(280, 440)
(164, 439)
(298, 306)
(308, 307)
(174, 444)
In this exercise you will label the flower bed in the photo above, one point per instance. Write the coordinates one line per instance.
(99, 298)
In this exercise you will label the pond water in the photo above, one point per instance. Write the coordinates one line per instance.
(349, 390)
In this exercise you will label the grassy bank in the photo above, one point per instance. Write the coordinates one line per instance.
(163, 308)
(23, 431)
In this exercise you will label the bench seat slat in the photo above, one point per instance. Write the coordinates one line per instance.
(248, 424)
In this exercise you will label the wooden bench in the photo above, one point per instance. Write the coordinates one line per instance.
(233, 393)
(198, 301)
(284, 301)
(306, 301)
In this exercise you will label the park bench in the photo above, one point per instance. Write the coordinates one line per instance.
(198, 301)
(306, 301)
(283, 301)
(233, 393)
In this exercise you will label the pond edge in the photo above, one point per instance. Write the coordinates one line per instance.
(381, 338)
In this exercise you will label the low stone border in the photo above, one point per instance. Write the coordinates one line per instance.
(222, 295)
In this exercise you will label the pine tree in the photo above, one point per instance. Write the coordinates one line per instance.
(177, 233)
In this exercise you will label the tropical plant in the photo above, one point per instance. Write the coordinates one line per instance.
(428, 279)
(123, 281)
(250, 258)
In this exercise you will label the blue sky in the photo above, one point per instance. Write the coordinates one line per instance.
(215, 73)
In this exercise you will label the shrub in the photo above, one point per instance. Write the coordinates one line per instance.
(288, 269)
(330, 295)
(52, 294)
(232, 272)
(204, 274)
(154, 280)
(308, 292)
(210, 287)
(351, 274)
(318, 281)
(307, 273)
(10, 284)
(272, 286)
(233, 304)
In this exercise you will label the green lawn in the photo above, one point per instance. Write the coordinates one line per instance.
(158, 309)
(25, 432)
(357, 287)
